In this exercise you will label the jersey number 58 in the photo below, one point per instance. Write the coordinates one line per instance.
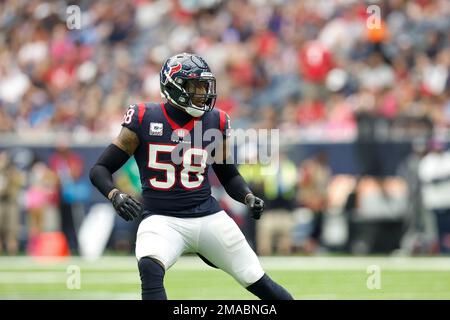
(188, 167)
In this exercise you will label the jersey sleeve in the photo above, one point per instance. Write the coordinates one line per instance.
(224, 123)
(131, 119)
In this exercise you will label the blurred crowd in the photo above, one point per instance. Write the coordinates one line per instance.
(306, 67)
(318, 70)
(45, 200)
(39, 196)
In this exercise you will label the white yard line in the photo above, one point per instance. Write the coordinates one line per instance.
(52, 277)
(128, 264)
(74, 295)
(356, 263)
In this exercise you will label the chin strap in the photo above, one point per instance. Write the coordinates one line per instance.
(194, 112)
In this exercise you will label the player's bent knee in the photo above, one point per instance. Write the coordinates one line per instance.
(250, 275)
(152, 278)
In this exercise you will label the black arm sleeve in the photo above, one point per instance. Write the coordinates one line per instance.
(109, 162)
(232, 181)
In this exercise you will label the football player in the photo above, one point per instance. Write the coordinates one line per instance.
(179, 215)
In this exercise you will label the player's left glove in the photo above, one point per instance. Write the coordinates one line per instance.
(126, 206)
(255, 205)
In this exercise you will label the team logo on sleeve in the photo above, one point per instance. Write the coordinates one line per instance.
(156, 129)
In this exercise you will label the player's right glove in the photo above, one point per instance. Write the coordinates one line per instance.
(127, 207)
(255, 205)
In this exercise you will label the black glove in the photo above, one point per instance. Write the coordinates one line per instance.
(126, 206)
(255, 205)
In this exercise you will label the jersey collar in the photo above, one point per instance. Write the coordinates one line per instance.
(188, 126)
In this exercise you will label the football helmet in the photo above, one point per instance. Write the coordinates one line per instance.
(187, 82)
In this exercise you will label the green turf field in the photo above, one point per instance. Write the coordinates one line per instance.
(190, 278)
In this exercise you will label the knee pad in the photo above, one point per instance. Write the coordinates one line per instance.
(152, 277)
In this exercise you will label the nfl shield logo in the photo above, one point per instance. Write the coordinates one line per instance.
(156, 129)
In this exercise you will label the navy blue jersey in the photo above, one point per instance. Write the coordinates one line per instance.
(173, 159)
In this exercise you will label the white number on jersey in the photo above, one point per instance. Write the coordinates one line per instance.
(169, 169)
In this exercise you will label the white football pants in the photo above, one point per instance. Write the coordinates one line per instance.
(216, 237)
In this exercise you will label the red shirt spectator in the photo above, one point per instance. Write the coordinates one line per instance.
(315, 61)
(66, 163)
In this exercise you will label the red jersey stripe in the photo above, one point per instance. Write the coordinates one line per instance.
(222, 119)
(188, 126)
(141, 111)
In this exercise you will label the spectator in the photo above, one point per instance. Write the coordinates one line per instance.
(39, 197)
(11, 181)
(274, 230)
(74, 191)
(315, 175)
(434, 173)
(416, 238)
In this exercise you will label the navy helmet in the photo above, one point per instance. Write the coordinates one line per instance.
(187, 82)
